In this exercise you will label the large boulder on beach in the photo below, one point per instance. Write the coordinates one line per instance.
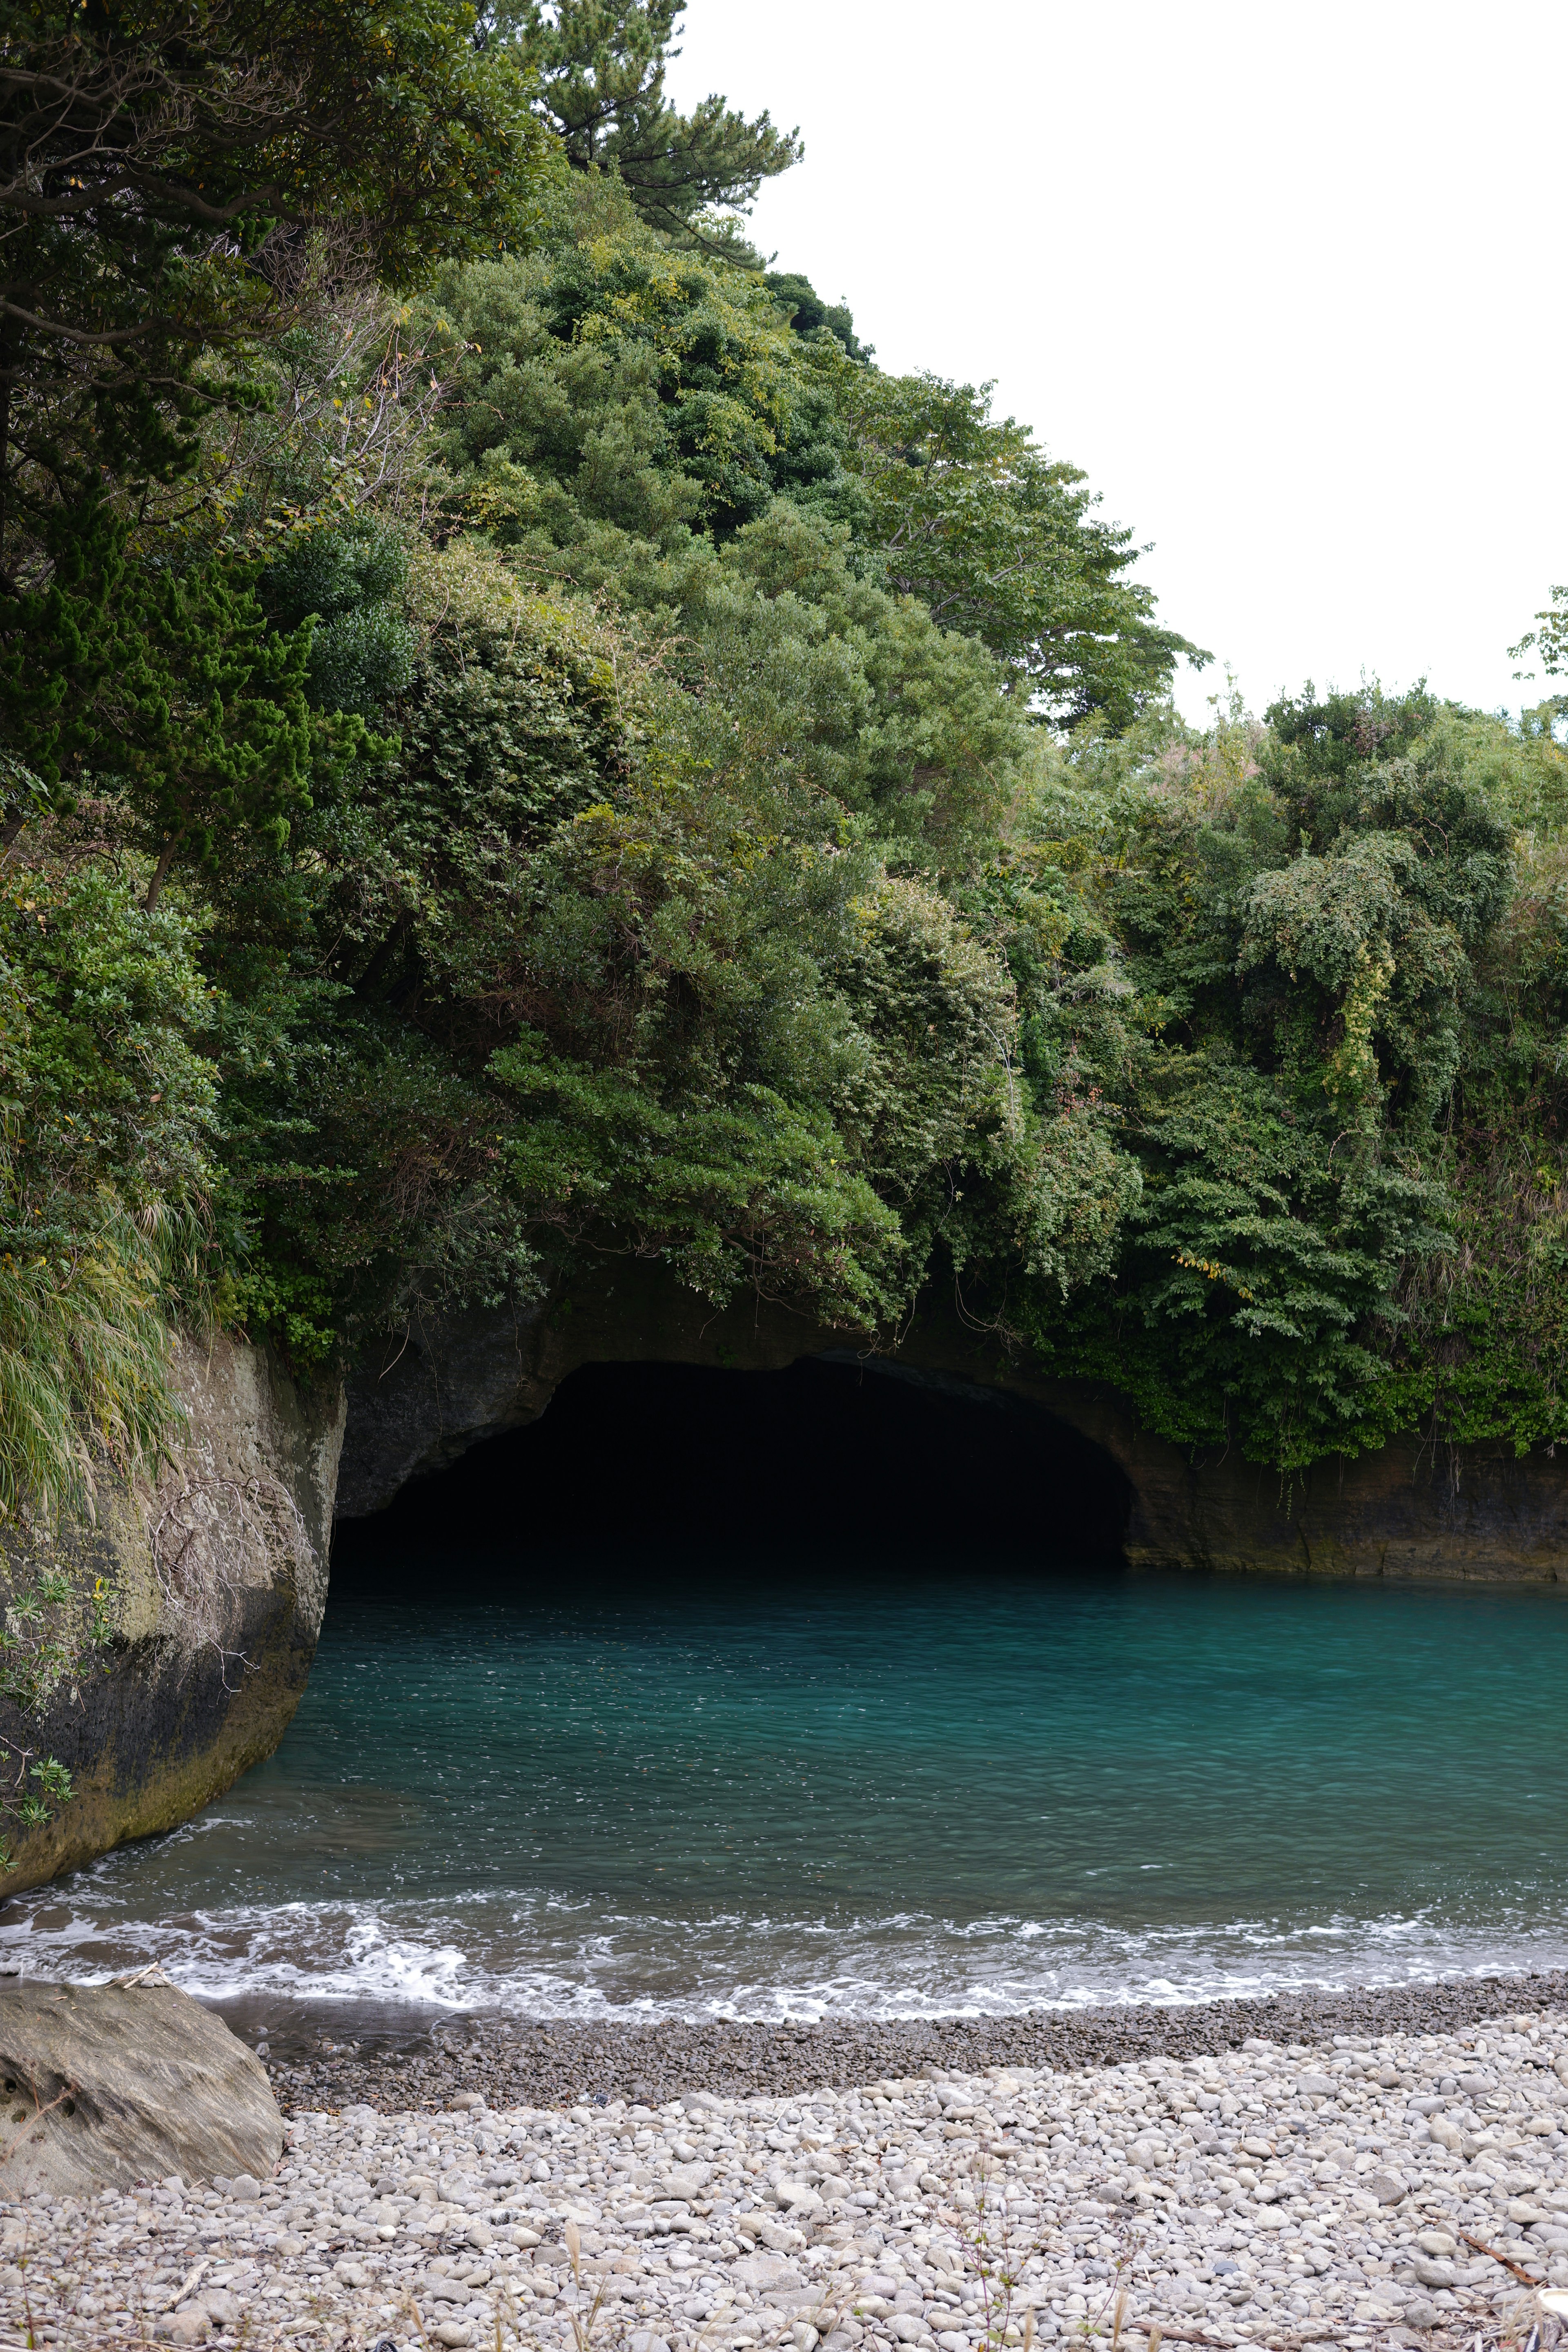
(108, 2084)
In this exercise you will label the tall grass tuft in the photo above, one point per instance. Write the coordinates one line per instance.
(84, 1356)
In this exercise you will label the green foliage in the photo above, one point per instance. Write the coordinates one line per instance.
(1259, 1274)
(965, 511)
(105, 1162)
(1549, 642)
(1361, 955)
(627, 776)
(83, 1352)
(809, 314)
(163, 166)
(652, 936)
(1332, 1240)
(54, 1632)
(612, 396)
(685, 965)
(600, 66)
(347, 582)
(108, 1117)
(808, 672)
(621, 410)
(172, 684)
(364, 980)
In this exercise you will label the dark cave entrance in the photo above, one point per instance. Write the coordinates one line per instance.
(824, 1460)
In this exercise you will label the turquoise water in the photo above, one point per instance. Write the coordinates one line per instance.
(778, 1786)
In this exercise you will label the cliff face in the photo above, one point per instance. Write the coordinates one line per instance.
(1477, 1512)
(1469, 1512)
(213, 1585)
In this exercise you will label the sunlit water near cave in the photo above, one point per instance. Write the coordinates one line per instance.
(776, 1785)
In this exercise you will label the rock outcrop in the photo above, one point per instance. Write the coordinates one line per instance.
(105, 2085)
(212, 1584)
(1409, 1511)
(210, 1588)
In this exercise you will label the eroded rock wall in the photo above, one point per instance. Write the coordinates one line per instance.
(1409, 1511)
(214, 1582)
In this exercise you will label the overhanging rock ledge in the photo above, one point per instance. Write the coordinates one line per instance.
(418, 1402)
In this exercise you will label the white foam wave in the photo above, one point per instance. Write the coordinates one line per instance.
(552, 1958)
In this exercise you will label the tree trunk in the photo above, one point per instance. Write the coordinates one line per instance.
(159, 875)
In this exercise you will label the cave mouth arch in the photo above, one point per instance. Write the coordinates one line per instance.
(831, 1454)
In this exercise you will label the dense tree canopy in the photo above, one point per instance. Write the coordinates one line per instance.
(568, 756)
(162, 169)
(1002, 544)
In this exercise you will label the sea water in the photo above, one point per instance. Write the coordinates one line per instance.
(769, 1786)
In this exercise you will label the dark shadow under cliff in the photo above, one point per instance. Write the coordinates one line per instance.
(824, 1456)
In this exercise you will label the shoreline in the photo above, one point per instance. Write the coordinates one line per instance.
(394, 2064)
(1271, 2196)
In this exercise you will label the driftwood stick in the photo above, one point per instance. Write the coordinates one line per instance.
(1482, 2248)
(1215, 2342)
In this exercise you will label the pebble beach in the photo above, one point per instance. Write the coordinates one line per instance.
(1270, 2189)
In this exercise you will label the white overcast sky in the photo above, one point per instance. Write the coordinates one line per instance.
(1284, 281)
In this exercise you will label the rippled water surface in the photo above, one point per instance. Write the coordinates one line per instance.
(784, 1785)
